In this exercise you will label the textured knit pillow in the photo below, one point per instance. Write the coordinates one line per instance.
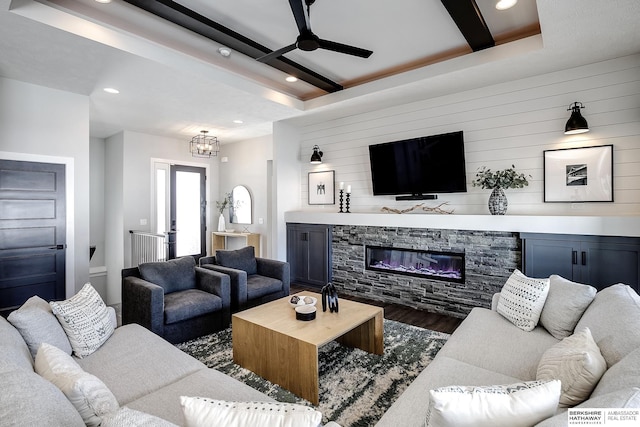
(37, 324)
(514, 405)
(90, 396)
(127, 417)
(204, 412)
(521, 300)
(577, 362)
(564, 306)
(85, 320)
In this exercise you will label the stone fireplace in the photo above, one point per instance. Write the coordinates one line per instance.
(488, 258)
(436, 265)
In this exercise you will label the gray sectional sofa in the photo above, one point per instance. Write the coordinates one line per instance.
(487, 349)
(143, 371)
(146, 373)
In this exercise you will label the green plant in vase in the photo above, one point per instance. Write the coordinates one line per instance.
(498, 181)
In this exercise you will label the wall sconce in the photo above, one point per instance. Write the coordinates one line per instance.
(576, 123)
(316, 157)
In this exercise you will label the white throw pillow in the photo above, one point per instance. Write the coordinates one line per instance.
(565, 304)
(522, 299)
(577, 362)
(514, 405)
(37, 324)
(85, 319)
(204, 412)
(127, 417)
(88, 394)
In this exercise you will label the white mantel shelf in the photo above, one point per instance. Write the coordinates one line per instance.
(628, 226)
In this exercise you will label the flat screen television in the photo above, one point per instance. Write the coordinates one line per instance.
(419, 167)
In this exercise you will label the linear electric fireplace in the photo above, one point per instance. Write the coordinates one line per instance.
(446, 266)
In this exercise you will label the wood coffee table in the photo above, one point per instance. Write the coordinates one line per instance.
(269, 341)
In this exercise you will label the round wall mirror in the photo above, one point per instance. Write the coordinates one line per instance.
(240, 209)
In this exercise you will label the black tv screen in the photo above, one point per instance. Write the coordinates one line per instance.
(419, 166)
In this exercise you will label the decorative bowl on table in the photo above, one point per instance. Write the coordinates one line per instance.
(301, 300)
(229, 230)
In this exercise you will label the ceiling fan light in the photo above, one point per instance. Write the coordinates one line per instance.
(576, 123)
(505, 4)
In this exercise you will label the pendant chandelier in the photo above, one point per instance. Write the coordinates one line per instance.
(203, 145)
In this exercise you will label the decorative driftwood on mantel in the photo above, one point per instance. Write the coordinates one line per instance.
(436, 209)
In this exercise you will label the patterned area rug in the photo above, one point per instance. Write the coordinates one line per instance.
(356, 387)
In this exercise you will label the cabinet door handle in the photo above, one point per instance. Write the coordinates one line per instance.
(574, 257)
(584, 258)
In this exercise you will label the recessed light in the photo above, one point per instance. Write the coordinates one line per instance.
(505, 4)
(238, 122)
(103, 1)
(111, 90)
(291, 79)
(224, 51)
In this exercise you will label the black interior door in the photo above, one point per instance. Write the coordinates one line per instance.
(32, 232)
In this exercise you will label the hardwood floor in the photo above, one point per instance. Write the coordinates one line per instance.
(400, 313)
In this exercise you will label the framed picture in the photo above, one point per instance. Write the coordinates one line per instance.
(576, 175)
(322, 188)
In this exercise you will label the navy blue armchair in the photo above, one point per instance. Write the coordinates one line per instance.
(176, 299)
(254, 280)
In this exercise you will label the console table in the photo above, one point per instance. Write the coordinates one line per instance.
(219, 240)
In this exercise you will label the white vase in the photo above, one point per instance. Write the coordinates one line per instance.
(221, 224)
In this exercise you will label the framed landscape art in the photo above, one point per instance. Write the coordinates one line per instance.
(322, 188)
(573, 175)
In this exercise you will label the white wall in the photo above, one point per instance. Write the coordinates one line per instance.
(113, 215)
(46, 125)
(504, 124)
(286, 180)
(96, 193)
(97, 271)
(247, 165)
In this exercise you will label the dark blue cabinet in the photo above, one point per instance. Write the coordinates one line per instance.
(599, 261)
(309, 253)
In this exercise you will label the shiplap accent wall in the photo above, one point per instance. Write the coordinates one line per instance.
(504, 124)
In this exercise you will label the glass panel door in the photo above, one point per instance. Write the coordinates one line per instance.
(188, 210)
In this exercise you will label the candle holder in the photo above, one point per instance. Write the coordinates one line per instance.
(341, 200)
(348, 199)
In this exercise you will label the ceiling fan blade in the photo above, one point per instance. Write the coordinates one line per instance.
(301, 15)
(343, 48)
(276, 53)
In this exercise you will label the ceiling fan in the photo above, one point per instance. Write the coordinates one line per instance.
(308, 41)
